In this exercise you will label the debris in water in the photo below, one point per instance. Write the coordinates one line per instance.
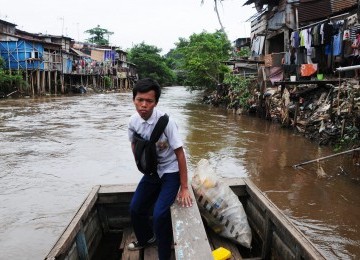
(320, 171)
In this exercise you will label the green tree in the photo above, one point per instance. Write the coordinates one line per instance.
(173, 61)
(98, 35)
(201, 59)
(150, 63)
(240, 86)
(10, 82)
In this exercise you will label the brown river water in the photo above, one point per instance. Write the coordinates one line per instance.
(53, 150)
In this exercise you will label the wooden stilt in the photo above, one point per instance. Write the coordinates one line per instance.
(43, 80)
(55, 80)
(32, 83)
(38, 81)
(49, 80)
(62, 83)
(27, 79)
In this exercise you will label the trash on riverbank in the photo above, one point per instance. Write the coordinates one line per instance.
(328, 114)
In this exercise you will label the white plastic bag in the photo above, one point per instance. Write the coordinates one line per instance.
(219, 205)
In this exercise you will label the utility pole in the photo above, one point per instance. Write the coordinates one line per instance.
(62, 26)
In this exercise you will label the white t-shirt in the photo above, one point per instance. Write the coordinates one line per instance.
(167, 143)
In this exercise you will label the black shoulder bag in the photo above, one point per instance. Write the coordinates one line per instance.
(145, 150)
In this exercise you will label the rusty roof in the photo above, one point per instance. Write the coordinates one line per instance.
(338, 6)
(314, 10)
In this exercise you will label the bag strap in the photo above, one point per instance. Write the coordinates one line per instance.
(159, 128)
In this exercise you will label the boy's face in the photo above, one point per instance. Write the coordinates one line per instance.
(145, 103)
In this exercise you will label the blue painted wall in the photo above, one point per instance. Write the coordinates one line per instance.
(18, 54)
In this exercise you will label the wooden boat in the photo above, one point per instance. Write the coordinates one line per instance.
(101, 229)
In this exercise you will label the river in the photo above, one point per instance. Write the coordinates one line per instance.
(53, 150)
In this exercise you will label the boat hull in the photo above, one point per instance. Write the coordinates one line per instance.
(104, 216)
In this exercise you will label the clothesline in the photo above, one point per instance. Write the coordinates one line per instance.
(309, 25)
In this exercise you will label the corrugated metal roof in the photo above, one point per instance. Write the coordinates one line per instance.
(31, 39)
(340, 5)
(314, 10)
(80, 53)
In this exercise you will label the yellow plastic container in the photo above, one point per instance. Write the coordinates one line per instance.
(221, 254)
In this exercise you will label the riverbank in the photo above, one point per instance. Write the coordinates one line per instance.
(327, 114)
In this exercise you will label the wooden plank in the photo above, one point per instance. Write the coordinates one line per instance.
(126, 233)
(81, 245)
(190, 239)
(110, 194)
(70, 232)
(281, 250)
(257, 217)
(130, 187)
(219, 241)
(237, 185)
(233, 181)
(127, 254)
(151, 253)
(286, 230)
(93, 232)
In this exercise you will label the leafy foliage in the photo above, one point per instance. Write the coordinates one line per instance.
(10, 82)
(2, 63)
(350, 138)
(98, 35)
(200, 59)
(150, 63)
(239, 86)
(107, 81)
(243, 52)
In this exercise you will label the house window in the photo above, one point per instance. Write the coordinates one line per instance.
(34, 55)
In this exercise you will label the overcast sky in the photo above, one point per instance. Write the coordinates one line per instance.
(155, 22)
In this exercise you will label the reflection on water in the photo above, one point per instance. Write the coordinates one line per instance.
(53, 150)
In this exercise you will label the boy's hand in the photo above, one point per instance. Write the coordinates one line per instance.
(184, 197)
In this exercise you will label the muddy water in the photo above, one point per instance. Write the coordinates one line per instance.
(53, 150)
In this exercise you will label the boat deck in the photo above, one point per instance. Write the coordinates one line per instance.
(113, 246)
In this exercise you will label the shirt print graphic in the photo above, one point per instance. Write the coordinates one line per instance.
(162, 145)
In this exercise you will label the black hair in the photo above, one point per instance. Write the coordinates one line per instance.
(145, 85)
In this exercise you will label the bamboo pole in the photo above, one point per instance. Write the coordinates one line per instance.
(354, 67)
(326, 157)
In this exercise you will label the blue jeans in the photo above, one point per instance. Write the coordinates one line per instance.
(160, 193)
